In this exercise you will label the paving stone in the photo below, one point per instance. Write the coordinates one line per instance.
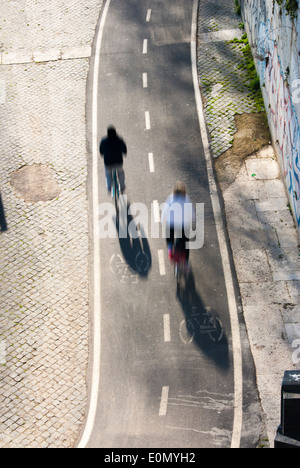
(263, 169)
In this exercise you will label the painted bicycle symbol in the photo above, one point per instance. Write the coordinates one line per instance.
(201, 324)
(122, 271)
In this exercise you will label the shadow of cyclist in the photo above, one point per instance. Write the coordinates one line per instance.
(135, 250)
(200, 326)
(3, 225)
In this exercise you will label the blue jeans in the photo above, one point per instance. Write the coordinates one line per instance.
(109, 174)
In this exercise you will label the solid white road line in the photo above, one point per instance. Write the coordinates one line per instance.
(95, 381)
(163, 409)
(161, 262)
(233, 309)
(167, 328)
(147, 119)
(151, 162)
(148, 17)
(145, 80)
(145, 46)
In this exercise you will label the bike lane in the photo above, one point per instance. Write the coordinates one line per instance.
(164, 379)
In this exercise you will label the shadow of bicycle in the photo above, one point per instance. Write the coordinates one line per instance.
(135, 249)
(200, 326)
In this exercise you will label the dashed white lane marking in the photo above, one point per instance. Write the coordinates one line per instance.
(163, 409)
(145, 46)
(151, 162)
(148, 17)
(167, 328)
(147, 119)
(156, 215)
(145, 80)
(161, 262)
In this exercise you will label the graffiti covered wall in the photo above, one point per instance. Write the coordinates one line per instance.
(275, 41)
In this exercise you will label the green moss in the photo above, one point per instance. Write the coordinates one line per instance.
(290, 6)
(248, 66)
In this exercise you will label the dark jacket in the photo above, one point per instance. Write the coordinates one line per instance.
(113, 148)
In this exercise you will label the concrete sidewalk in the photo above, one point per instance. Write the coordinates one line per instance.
(262, 232)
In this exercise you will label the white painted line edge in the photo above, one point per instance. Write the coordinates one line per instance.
(145, 80)
(167, 328)
(147, 119)
(163, 409)
(148, 17)
(90, 421)
(161, 262)
(233, 309)
(145, 46)
(151, 162)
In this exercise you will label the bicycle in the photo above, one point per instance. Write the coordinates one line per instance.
(179, 258)
(116, 190)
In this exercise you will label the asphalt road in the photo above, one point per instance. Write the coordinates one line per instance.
(160, 385)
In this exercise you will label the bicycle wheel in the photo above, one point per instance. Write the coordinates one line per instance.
(216, 335)
(187, 331)
(116, 192)
(180, 279)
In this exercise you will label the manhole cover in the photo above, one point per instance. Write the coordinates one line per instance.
(35, 183)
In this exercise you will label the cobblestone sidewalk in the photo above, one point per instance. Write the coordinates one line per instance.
(262, 231)
(224, 79)
(44, 252)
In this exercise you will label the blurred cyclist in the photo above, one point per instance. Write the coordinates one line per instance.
(112, 148)
(177, 216)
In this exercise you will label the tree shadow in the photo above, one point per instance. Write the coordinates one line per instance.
(3, 224)
(200, 325)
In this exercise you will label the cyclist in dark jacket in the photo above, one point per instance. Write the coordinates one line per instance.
(112, 148)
